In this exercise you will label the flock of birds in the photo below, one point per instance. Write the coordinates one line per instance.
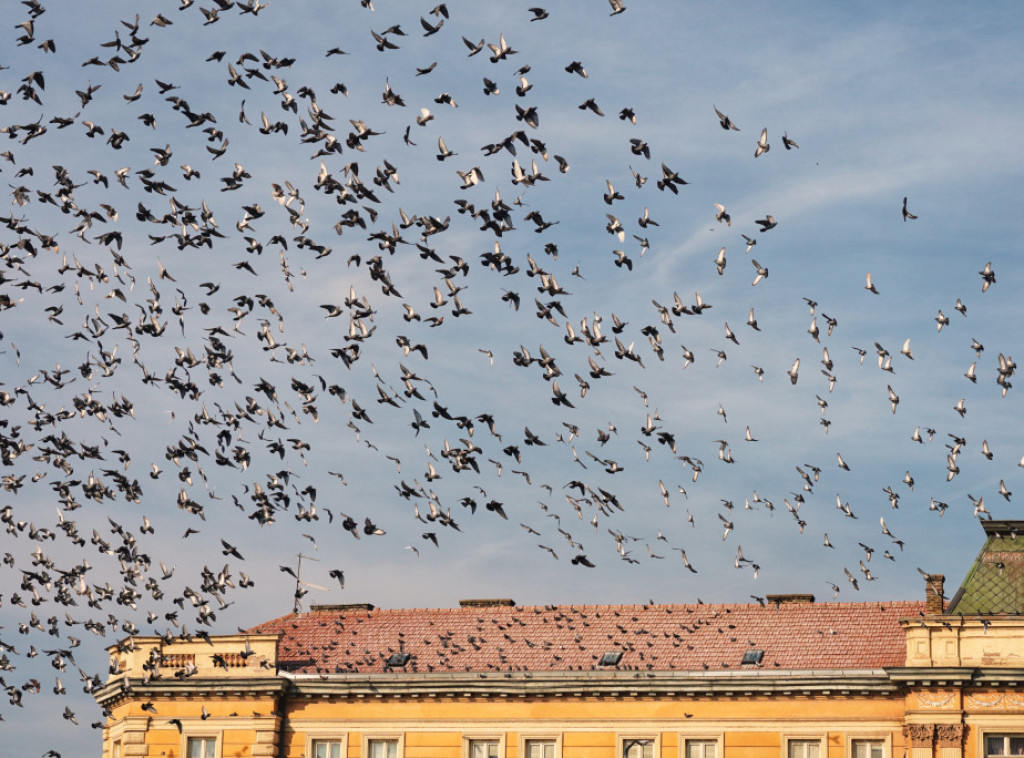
(180, 356)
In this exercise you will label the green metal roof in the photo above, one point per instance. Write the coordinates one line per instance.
(995, 582)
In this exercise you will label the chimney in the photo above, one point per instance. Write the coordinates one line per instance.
(790, 599)
(934, 599)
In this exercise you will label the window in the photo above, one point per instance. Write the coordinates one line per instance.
(326, 749)
(752, 657)
(484, 749)
(1004, 744)
(115, 751)
(540, 749)
(327, 744)
(381, 748)
(868, 749)
(610, 658)
(397, 660)
(804, 748)
(201, 747)
(701, 749)
(642, 747)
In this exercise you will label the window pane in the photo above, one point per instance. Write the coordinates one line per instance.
(643, 748)
(383, 749)
(540, 749)
(700, 749)
(1004, 744)
(804, 748)
(326, 748)
(483, 749)
(867, 749)
(201, 747)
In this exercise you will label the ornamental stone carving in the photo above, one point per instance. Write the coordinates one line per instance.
(920, 735)
(939, 700)
(949, 735)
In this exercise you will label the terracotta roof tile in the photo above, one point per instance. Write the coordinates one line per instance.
(564, 638)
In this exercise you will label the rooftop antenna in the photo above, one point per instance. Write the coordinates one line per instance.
(300, 585)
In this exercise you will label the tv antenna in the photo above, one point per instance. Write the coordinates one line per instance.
(300, 585)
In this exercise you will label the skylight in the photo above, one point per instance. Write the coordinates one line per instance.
(396, 660)
(752, 657)
(611, 658)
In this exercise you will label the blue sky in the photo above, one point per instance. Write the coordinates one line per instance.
(921, 101)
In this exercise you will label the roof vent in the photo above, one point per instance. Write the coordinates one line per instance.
(343, 608)
(610, 658)
(752, 657)
(397, 660)
(487, 602)
(792, 599)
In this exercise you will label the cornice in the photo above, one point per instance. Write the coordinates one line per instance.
(652, 684)
(941, 675)
(122, 689)
(591, 684)
(953, 676)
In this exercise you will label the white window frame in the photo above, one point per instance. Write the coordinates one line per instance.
(685, 740)
(469, 739)
(790, 739)
(526, 739)
(317, 735)
(397, 737)
(853, 738)
(622, 739)
(986, 736)
(187, 738)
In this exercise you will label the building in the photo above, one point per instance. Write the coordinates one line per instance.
(792, 678)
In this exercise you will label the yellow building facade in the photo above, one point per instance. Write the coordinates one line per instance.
(791, 678)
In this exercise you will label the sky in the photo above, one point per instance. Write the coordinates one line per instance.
(297, 310)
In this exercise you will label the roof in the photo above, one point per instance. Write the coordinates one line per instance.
(699, 637)
(995, 582)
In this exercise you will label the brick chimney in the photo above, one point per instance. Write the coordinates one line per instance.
(934, 600)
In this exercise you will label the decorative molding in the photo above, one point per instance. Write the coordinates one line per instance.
(985, 701)
(1001, 700)
(920, 735)
(940, 700)
(949, 735)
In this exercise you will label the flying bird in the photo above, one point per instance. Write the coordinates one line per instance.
(725, 122)
(762, 144)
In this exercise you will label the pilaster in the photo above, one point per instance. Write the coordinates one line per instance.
(921, 740)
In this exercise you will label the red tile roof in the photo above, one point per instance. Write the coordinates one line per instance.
(564, 638)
